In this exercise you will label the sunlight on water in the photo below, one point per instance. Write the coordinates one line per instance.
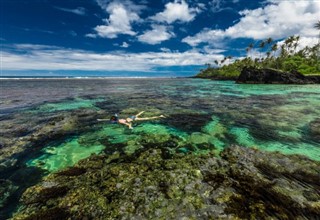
(63, 155)
(243, 137)
(202, 115)
(68, 105)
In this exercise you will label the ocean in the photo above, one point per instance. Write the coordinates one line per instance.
(48, 124)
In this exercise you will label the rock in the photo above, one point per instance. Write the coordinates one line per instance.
(6, 190)
(40, 130)
(242, 183)
(41, 194)
(49, 213)
(187, 121)
(72, 171)
(200, 140)
(314, 127)
(272, 76)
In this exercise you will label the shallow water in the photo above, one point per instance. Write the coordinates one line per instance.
(201, 115)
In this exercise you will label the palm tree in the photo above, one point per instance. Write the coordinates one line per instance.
(269, 40)
(296, 43)
(208, 65)
(317, 26)
(274, 48)
(250, 47)
(262, 45)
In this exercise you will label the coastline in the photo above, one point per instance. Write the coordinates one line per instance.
(251, 75)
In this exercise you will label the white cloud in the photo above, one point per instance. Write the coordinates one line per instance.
(279, 19)
(119, 21)
(104, 4)
(164, 49)
(78, 11)
(125, 45)
(91, 35)
(210, 36)
(50, 58)
(158, 34)
(176, 11)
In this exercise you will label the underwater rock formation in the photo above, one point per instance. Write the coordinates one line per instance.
(242, 183)
(6, 190)
(187, 121)
(271, 76)
(27, 131)
(315, 129)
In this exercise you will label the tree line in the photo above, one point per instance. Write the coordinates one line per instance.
(269, 54)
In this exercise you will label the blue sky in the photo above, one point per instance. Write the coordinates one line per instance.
(140, 37)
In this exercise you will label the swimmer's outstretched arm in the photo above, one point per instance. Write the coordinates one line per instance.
(149, 118)
(99, 119)
(137, 115)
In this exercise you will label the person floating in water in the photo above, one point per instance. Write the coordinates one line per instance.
(128, 122)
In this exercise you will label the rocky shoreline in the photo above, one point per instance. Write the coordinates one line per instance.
(252, 75)
(271, 76)
(242, 183)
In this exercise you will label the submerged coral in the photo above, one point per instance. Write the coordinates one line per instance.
(242, 183)
(6, 190)
(201, 117)
(315, 129)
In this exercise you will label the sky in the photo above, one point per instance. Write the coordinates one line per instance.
(155, 38)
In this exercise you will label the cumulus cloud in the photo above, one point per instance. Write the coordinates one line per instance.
(176, 11)
(279, 19)
(124, 45)
(104, 4)
(77, 11)
(50, 58)
(158, 34)
(121, 16)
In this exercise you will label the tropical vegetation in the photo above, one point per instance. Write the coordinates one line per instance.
(269, 54)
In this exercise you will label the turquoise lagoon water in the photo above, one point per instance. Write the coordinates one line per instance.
(212, 113)
(201, 116)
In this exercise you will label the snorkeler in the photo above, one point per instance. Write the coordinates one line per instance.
(128, 122)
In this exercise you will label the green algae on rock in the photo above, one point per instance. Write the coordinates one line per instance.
(64, 155)
(243, 183)
(42, 129)
(76, 103)
(269, 117)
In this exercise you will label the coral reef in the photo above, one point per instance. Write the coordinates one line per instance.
(29, 131)
(158, 162)
(315, 129)
(6, 190)
(242, 183)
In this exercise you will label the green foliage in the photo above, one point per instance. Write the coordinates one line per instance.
(283, 57)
